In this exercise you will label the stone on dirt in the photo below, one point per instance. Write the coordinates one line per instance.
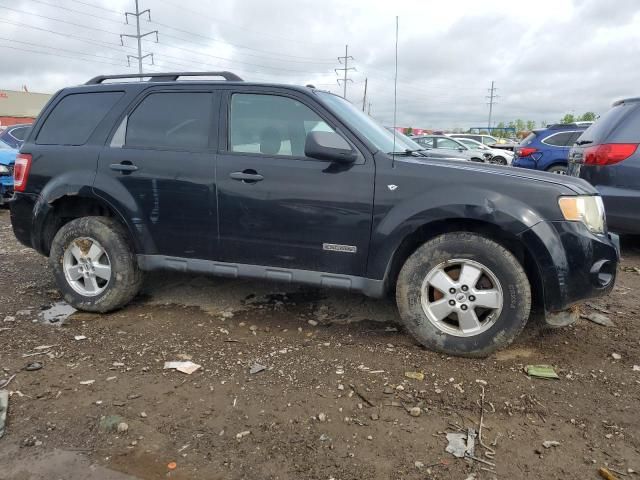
(600, 319)
(550, 443)
(415, 411)
(241, 435)
(616, 356)
(122, 427)
(414, 375)
(256, 368)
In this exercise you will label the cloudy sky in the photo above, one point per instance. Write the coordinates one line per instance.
(547, 57)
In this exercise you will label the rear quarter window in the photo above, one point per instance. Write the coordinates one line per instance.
(528, 139)
(621, 124)
(75, 117)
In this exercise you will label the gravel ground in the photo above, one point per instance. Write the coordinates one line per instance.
(333, 400)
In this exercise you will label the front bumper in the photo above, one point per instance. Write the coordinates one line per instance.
(573, 263)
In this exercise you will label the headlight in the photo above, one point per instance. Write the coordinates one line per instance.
(4, 170)
(586, 209)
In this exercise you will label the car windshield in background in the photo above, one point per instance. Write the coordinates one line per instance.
(403, 142)
(379, 136)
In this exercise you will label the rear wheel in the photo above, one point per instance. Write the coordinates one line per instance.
(94, 265)
(558, 169)
(498, 160)
(463, 294)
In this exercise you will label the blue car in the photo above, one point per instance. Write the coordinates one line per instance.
(548, 148)
(15, 135)
(7, 160)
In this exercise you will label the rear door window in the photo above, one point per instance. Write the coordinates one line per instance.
(447, 143)
(75, 117)
(169, 120)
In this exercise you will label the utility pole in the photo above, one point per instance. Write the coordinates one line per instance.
(138, 36)
(364, 98)
(345, 70)
(369, 109)
(492, 96)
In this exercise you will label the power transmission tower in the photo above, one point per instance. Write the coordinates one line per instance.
(345, 70)
(492, 100)
(138, 36)
(364, 97)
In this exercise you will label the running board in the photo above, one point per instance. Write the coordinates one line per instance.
(371, 288)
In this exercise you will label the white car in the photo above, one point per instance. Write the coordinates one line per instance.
(498, 155)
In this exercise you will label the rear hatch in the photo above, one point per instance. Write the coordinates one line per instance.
(524, 149)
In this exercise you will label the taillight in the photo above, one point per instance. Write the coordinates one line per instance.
(21, 171)
(525, 151)
(609, 153)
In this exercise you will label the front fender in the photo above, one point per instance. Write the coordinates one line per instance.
(472, 203)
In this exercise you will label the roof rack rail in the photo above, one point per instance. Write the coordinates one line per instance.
(165, 77)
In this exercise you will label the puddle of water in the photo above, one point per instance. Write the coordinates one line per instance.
(57, 313)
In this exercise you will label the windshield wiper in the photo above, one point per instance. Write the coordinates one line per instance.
(583, 142)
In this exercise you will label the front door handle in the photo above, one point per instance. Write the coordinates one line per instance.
(124, 167)
(247, 176)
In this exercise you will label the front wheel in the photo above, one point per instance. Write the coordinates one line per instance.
(94, 265)
(463, 294)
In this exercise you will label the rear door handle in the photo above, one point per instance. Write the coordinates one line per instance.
(124, 167)
(248, 176)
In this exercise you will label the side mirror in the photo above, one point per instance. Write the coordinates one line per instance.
(461, 149)
(329, 146)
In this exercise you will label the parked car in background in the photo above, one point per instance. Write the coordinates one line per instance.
(14, 135)
(607, 156)
(488, 140)
(7, 161)
(548, 148)
(498, 156)
(453, 146)
(406, 144)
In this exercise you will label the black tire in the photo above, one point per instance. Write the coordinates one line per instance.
(465, 246)
(498, 160)
(126, 278)
(558, 170)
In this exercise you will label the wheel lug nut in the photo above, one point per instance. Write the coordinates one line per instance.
(463, 307)
(452, 290)
(452, 302)
(464, 288)
(472, 298)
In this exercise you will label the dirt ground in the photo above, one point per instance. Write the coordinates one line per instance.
(332, 403)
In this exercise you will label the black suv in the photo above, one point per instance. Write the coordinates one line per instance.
(607, 156)
(294, 184)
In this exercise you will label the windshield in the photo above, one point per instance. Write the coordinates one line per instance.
(472, 143)
(380, 137)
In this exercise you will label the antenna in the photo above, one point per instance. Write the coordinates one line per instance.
(395, 101)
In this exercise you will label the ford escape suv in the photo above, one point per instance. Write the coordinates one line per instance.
(294, 184)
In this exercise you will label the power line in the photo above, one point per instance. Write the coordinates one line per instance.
(111, 46)
(290, 58)
(62, 56)
(60, 7)
(98, 7)
(492, 96)
(244, 29)
(345, 69)
(139, 36)
(280, 69)
(75, 52)
(59, 20)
